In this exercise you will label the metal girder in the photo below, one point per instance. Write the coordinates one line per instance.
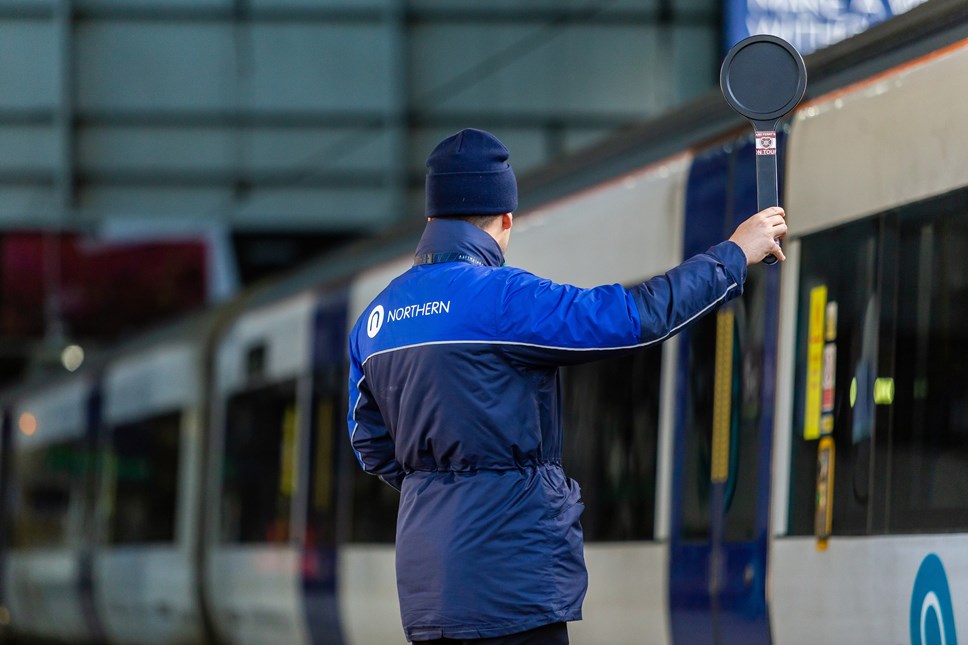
(13, 10)
(229, 12)
(591, 15)
(339, 119)
(27, 177)
(207, 118)
(27, 116)
(521, 119)
(389, 126)
(307, 177)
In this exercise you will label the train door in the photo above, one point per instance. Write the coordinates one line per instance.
(262, 389)
(322, 455)
(723, 437)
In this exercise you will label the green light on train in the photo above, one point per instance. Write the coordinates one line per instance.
(921, 388)
(853, 391)
(884, 391)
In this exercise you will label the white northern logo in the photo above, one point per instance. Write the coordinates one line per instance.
(375, 321)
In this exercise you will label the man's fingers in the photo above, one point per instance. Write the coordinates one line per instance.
(763, 228)
(774, 218)
(778, 252)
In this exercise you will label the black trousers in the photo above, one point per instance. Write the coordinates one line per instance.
(553, 634)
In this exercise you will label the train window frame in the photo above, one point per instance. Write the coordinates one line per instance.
(71, 517)
(373, 505)
(907, 507)
(746, 418)
(856, 442)
(891, 385)
(615, 458)
(153, 431)
(234, 524)
(368, 507)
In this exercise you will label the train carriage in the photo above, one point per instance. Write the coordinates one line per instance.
(276, 430)
(876, 284)
(48, 562)
(144, 575)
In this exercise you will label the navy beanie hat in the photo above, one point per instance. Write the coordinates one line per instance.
(468, 174)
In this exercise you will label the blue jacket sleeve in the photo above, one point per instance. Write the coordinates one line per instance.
(372, 443)
(549, 323)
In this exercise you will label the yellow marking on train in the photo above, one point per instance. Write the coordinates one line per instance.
(722, 396)
(815, 338)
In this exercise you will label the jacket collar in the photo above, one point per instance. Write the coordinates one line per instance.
(459, 237)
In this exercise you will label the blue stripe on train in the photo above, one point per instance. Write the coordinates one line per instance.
(89, 490)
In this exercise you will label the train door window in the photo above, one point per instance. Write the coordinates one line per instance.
(49, 499)
(929, 434)
(325, 524)
(838, 313)
(141, 470)
(259, 464)
(738, 329)
(371, 515)
(374, 506)
(611, 417)
(746, 392)
(699, 346)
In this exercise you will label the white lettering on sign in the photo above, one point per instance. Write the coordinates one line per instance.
(826, 8)
(766, 143)
(432, 308)
(811, 24)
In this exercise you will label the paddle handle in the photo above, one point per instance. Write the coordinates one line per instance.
(767, 194)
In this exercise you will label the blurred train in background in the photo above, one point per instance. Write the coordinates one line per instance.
(195, 484)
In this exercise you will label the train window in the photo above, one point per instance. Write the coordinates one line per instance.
(48, 502)
(840, 289)
(611, 418)
(746, 407)
(699, 348)
(327, 520)
(259, 466)
(372, 511)
(734, 334)
(374, 518)
(929, 424)
(141, 469)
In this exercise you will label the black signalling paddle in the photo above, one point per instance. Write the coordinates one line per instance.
(763, 78)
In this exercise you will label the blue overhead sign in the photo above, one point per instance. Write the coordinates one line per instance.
(807, 24)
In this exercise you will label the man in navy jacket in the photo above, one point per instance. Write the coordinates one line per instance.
(455, 401)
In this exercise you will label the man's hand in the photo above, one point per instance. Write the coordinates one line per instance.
(757, 236)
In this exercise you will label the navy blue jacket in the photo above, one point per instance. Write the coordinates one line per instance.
(455, 400)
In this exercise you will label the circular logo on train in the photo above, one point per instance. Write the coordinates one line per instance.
(375, 321)
(932, 616)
